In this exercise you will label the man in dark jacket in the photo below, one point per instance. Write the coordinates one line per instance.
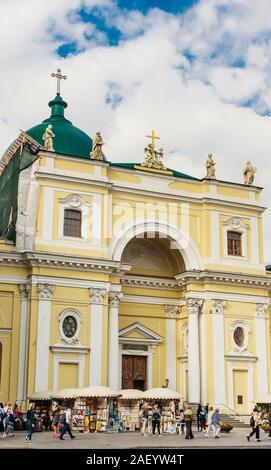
(156, 415)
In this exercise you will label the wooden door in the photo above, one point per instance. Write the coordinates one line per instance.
(134, 372)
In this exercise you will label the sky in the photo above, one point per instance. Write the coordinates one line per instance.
(198, 72)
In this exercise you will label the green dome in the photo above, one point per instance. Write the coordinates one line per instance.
(68, 140)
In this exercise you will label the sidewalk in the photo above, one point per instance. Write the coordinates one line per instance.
(133, 440)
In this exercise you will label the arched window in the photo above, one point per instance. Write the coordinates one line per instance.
(234, 243)
(72, 223)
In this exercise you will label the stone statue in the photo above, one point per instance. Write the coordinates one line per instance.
(153, 158)
(48, 138)
(248, 173)
(97, 153)
(210, 167)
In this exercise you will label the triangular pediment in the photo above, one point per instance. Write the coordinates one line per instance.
(138, 332)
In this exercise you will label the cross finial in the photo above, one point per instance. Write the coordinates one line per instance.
(152, 137)
(58, 75)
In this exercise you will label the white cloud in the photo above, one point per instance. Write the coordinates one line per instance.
(173, 73)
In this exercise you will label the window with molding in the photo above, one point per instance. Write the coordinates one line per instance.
(240, 332)
(234, 243)
(72, 223)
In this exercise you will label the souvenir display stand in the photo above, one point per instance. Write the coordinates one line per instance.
(167, 401)
(92, 409)
(129, 409)
(42, 401)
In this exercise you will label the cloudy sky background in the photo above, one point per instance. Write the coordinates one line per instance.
(199, 72)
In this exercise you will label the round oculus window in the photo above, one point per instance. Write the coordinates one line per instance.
(69, 326)
(239, 336)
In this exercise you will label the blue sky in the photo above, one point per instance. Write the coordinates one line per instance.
(199, 73)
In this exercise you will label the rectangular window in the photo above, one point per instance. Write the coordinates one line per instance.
(240, 399)
(234, 243)
(72, 223)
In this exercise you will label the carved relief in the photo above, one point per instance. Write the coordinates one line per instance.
(45, 291)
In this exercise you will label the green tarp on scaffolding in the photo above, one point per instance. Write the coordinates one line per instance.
(9, 190)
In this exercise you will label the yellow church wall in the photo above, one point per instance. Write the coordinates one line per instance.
(184, 185)
(151, 292)
(123, 176)
(6, 378)
(74, 166)
(6, 245)
(62, 273)
(231, 191)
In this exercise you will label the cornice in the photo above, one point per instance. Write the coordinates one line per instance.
(78, 263)
(59, 177)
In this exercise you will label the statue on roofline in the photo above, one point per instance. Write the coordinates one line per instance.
(210, 167)
(97, 144)
(248, 173)
(48, 138)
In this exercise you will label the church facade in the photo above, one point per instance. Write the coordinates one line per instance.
(128, 275)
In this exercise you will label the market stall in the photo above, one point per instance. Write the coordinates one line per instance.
(94, 409)
(129, 409)
(42, 401)
(168, 402)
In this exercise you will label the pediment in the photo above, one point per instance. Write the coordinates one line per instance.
(138, 332)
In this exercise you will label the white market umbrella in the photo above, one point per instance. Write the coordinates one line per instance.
(161, 394)
(131, 394)
(96, 392)
(42, 395)
(65, 393)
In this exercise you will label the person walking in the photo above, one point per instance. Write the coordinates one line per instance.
(55, 419)
(188, 417)
(67, 424)
(209, 421)
(198, 416)
(202, 419)
(255, 420)
(2, 416)
(216, 423)
(145, 417)
(30, 423)
(156, 415)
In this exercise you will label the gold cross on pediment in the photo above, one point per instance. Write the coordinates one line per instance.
(152, 137)
(58, 75)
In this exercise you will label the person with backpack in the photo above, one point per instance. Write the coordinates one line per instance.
(255, 420)
(67, 424)
(30, 423)
(156, 415)
(188, 417)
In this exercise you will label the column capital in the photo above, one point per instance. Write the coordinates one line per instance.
(193, 305)
(24, 290)
(114, 298)
(172, 310)
(218, 306)
(261, 310)
(97, 295)
(45, 291)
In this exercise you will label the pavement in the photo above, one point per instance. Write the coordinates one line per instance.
(133, 440)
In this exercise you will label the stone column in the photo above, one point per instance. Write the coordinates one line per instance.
(113, 347)
(23, 345)
(96, 336)
(45, 292)
(219, 351)
(171, 346)
(193, 306)
(261, 349)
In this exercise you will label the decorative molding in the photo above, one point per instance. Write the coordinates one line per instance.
(235, 224)
(78, 318)
(194, 305)
(172, 310)
(241, 357)
(114, 298)
(24, 290)
(74, 200)
(60, 348)
(45, 291)
(149, 336)
(261, 310)
(97, 295)
(246, 330)
(218, 306)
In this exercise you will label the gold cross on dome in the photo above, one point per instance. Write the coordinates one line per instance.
(58, 75)
(152, 137)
